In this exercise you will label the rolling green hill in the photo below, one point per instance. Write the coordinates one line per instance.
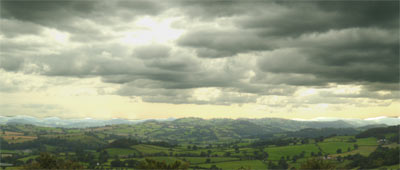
(199, 143)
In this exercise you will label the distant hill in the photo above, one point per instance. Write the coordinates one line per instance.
(263, 125)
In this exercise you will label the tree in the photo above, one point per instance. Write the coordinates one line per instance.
(117, 163)
(294, 158)
(339, 158)
(236, 149)
(203, 154)
(103, 157)
(355, 146)
(316, 164)
(255, 154)
(271, 165)
(227, 154)
(209, 153)
(287, 157)
(282, 164)
(153, 164)
(214, 167)
(131, 163)
(266, 155)
(339, 151)
(48, 161)
(208, 160)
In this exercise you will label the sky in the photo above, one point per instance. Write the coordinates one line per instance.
(139, 59)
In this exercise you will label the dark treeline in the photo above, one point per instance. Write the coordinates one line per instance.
(380, 157)
(325, 132)
(379, 133)
(91, 154)
(128, 142)
(63, 144)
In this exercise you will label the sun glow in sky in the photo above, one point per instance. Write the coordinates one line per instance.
(152, 59)
(151, 31)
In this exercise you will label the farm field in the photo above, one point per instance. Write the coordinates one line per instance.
(120, 147)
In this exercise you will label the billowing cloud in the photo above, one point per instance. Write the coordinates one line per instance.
(209, 52)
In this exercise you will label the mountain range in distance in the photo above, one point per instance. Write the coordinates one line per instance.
(277, 122)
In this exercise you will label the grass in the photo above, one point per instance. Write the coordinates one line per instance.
(367, 141)
(250, 164)
(8, 151)
(332, 147)
(391, 167)
(202, 160)
(18, 139)
(338, 139)
(150, 149)
(392, 145)
(29, 157)
(363, 150)
(275, 153)
(166, 159)
(120, 151)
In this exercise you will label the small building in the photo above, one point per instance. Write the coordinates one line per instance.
(381, 141)
(5, 165)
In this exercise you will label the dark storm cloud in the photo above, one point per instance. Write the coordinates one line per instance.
(347, 56)
(218, 43)
(58, 11)
(69, 15)
(296, 18)
(152, 51)
(46, 12)
(12, 28)
(269, 23)
(244, 49)
(11, 63)
(311, 43)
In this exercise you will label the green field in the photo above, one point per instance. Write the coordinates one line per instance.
(332, 147)
(120, 151)
(367, 141)
(275, 153)
(202, 160)
(250, 164)
(150, 149)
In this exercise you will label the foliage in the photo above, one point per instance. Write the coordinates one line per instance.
(153, 164)
(378, 132)
(317, 163)
(380, 157)
(48, 161)
(123, 143)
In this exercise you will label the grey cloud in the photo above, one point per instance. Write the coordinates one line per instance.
(142, 6)
(152, 51)
(269, 25)
(346, 56)
(301, 63)
(286, 44)
(295, 79)
(12, 28)
(45, 12)
(297, 18)
(70, 15)
(11, 63)
(183, 96)
(210, 10)
(364, 93)
(222, 43)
